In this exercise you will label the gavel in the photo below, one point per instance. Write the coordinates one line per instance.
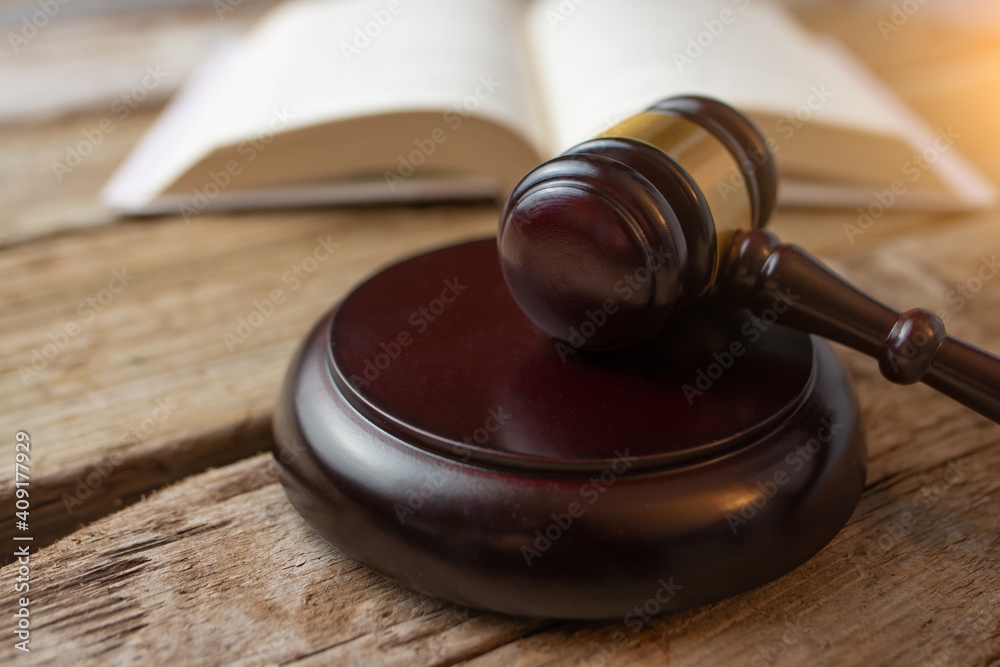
(604, 245)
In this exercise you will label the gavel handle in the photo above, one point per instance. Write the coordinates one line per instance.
(786, 284)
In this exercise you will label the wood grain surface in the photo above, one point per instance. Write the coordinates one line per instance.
(161, 536)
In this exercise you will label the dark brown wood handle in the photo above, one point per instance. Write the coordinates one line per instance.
(790, 286)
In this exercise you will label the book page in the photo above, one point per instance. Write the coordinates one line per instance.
(328, 59)
(827, 120)
(314, 62)
(604, 61)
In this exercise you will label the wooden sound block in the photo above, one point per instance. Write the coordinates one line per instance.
(427, 429)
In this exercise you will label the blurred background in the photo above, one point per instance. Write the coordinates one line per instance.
(945, 64)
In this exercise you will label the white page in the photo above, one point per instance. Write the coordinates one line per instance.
(429, 56)
(306, 61)
(604, 61)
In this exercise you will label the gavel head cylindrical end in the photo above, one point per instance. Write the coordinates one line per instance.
(589, 250)
(603, 245)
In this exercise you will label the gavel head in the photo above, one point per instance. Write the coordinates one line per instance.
(604, 244)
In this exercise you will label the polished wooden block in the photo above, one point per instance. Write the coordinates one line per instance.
(428, 429)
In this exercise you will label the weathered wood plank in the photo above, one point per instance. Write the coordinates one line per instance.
(40, 199)
(84, 56)
(142, 386)
(219, 569)
(67, 122)
(911, 430)
(222, 560)
(148, 390)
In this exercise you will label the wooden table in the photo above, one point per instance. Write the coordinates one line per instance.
(159, 532)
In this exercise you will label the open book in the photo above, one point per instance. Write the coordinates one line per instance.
(341, 101)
